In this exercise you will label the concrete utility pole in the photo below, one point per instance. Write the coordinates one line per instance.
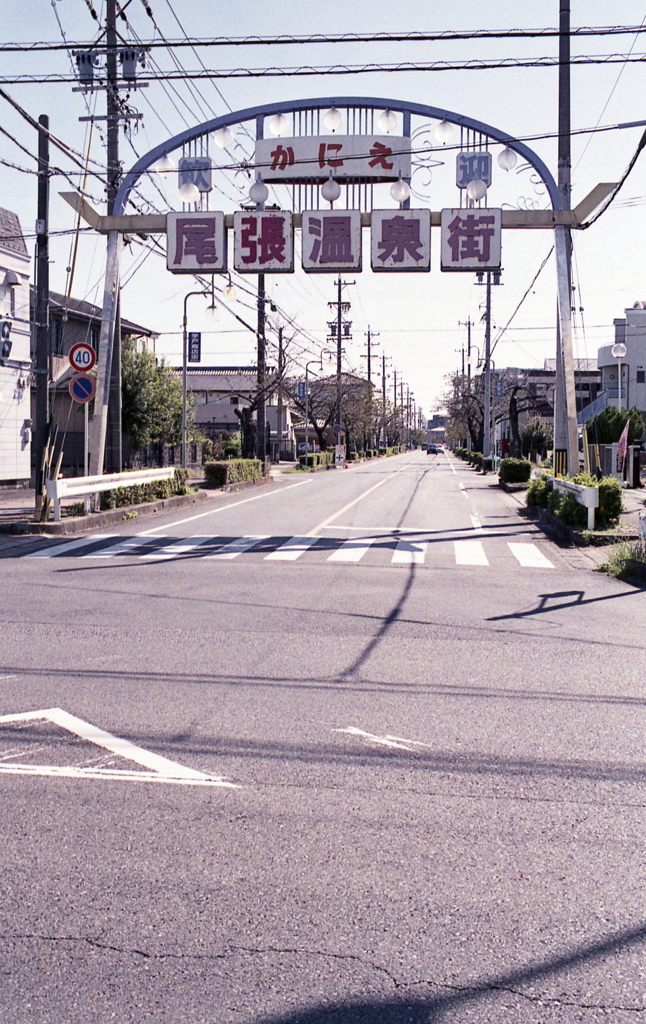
(114, 438)
(281, 369)
(369, 336)
(566, 445)
(42, 304)
(261, 421)
(341, 308)
(486, 434)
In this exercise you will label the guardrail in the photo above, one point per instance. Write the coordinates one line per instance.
(83, 486)
(588, 496)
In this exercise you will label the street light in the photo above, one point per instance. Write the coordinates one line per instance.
(619, 351)
(330, 359)
(184, 357)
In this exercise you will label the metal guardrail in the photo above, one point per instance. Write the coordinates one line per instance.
(82, 486)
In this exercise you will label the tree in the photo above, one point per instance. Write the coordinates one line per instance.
(536, 435)
(151, 396)
(607, 426)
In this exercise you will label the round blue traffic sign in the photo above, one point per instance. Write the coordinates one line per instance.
(82, 387)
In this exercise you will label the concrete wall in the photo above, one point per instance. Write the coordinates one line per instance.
(631, 330)
(15, 433)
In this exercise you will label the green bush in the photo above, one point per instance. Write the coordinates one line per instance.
(611, 501)
(139, 494)
(514, 471)
(538, 491)
(233, 471)
(571, 512)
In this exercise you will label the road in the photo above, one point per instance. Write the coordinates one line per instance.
(364, 746)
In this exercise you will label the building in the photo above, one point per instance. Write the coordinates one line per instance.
(631, 330)
(15, 361)
(73, 320)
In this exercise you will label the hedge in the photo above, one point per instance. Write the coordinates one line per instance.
(316, 459)
(514, 471)
(233, 471)
(139, 494)
(568, 509)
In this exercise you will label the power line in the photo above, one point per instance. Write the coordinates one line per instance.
(347, 37)
(305, 71)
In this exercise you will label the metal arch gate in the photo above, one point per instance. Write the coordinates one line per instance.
(257, 114)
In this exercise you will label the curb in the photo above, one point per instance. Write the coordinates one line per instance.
(96, 520)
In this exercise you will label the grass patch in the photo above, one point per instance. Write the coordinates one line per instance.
(627, 560)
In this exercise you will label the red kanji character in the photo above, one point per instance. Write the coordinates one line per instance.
(195, 237)
(315, 229)
(379, 152)
(398, 237)
(335, 147)
(282, 157)
(247, 236)
(272, 240)
(337, 240)
(470, 238)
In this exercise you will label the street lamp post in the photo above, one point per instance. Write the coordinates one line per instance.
(619, 352)
(184, 358)
(325, 352)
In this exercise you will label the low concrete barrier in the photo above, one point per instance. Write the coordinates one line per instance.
(588, 496)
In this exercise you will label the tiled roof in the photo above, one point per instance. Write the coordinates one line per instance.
(11, 233)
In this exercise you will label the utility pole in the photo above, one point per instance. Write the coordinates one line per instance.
(336, 329)
(486, 436)
(383, 393)
(466, 323)
(281, 367)
(369, 336)
(42, 305)
(566, 445)
(114, 439)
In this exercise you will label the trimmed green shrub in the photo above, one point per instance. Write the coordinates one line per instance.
(570, 511)
(538, 491)
(611, 501)
(233, 471)
(142, 493)
(514, 471)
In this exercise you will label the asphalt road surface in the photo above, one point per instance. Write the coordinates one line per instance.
(361, 747)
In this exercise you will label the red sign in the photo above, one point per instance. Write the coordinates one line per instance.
(82, 356)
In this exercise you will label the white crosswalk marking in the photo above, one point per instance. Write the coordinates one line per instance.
(352, 550)
(469, 552)
(529, 556)
(292, 550)
(73, 545)
(237, 546)
(409, 552)
(178, 547)
(118, 549)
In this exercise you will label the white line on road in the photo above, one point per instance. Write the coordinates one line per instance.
(73, 545)
(409, 552)
(122, 548)
(529, 556)
(159, 768)
(352, 550)
(469, 552)
(382, 741)
(330, 519)
(475, 522)
(179, 547)
(237, 546)
(291, 550)
(222, 508)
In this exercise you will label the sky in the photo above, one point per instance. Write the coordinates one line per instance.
(417, 319)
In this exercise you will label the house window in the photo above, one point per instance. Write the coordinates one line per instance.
(7, 301)
(94, 338)
(57, 337)
(641, 376)
(234, 400)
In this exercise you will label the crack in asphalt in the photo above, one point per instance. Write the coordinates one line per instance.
(464, 990)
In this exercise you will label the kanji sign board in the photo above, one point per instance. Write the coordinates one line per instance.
(196, 241)
(263, 241)
(400, 240)
(194, 346)
(471, 239)
(331, 240)
(350, 158)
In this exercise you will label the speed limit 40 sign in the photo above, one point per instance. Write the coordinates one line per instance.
(82, 356)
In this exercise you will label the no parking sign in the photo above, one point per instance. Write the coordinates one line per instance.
(82, 387)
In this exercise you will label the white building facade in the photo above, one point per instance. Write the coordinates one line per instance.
(15, 362)
(631, 330)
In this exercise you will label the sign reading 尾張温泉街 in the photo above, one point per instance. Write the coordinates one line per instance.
(400, 240)
(196, 241)
(331, 240)
(350, 158)
(471, 239)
